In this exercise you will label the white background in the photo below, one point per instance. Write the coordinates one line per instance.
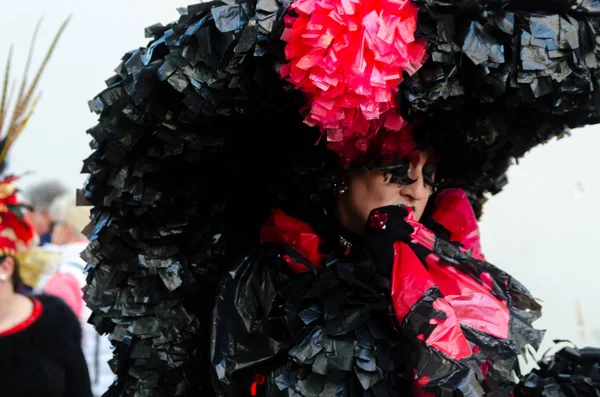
(543, 228)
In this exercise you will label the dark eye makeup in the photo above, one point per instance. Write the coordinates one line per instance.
(397, 172)
(429, 174)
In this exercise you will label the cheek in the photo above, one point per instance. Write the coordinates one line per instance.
(374, 194)
(387, 194)
(58, 234)
(39, 222)
(420, 208)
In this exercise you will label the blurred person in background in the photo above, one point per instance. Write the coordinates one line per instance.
(67, 283)
(40, 338)
(67, 239)
(40, 197)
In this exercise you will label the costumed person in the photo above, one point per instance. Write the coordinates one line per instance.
(40, 337)
(69, 279)
(40, 197)
(286, 195)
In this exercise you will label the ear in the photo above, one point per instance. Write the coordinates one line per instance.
(7, 267)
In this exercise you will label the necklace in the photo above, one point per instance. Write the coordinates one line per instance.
(345, 244)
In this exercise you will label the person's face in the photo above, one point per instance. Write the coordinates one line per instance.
(61, 234)
(41, 221)
(7, 267)
(370, 189)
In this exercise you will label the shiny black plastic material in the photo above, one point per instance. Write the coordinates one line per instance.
(197, 140)
(332, 331)
(569, 372)
(349, 349)
(161, 178)
(502, 77)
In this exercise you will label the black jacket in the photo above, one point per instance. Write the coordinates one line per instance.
(45, 359)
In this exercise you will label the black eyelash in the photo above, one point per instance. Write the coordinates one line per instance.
(428, 181)
(398, 173)
(402, 179)
(428, 172)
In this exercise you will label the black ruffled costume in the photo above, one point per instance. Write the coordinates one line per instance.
(571, 372)
(285, 323)
(198, 125)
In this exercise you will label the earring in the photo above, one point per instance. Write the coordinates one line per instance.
(3, 277)
(341, 189)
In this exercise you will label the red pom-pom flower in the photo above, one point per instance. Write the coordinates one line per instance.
(16, 231)
(347, 57)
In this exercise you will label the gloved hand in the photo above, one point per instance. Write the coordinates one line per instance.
(385, 226)
(401, 249)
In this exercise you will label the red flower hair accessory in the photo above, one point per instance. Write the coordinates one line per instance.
(16, 231)
(347, 57)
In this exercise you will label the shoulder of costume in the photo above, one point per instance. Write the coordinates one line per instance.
(57, 320)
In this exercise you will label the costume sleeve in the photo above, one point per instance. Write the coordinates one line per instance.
(244, 343)
(67, 337)
(77, 375)
(77, 382)
(468, 320)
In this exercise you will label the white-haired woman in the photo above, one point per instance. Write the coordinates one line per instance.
(67, 283)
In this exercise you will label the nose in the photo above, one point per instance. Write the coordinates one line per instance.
(416, 190)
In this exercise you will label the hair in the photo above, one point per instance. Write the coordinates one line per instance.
(64, 210)
(16, 280)
(41, 196)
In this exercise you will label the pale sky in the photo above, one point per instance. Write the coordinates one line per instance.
(543, 228)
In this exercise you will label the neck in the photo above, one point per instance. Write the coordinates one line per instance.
(15, 309)
(7, 297)
(348, 218)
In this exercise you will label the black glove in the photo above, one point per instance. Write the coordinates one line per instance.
(385, 226)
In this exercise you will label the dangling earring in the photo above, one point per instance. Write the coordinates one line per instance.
(341, 189)
(3, 277)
